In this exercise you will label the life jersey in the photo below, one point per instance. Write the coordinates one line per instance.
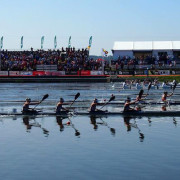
(93, 107)
(26, 106)
(59, 108)
(164, 98)
(127, 107)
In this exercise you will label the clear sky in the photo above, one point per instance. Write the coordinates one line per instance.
(106, 20)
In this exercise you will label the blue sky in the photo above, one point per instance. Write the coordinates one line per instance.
(106, 20)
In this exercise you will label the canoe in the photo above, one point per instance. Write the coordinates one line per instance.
(120, 113)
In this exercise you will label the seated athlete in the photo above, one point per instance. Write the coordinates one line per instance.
(93, 106)
(60, 108)
(128, 103)
(26, 108)
(165, 95)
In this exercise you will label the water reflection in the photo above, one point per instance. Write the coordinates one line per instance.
(134, 125)
(27, 120)
(95, 124)
(130, 123)
(62, 125)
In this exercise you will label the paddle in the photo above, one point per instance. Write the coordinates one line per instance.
(111, 99)
(44, 97)
(76, 96)
(173, 88)
(113, 131)
(141, 93)
(77, 133)
(149, 87)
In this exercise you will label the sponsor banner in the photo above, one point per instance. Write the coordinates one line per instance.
(58, 73)
(163, 72)
(71, 73)
(84, 73)
(96, 73)
(14, 73)
(38, 73)
(3, 73)
(25, 73)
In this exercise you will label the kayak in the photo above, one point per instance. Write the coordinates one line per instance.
(96, 113)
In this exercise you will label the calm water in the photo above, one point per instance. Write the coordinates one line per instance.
(88, 148)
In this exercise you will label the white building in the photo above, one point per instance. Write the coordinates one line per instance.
(143, 48)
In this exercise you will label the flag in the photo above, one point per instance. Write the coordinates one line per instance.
(69, 43)
(90, 42)
(1, 42)
(104, 52)
(21, 42)
(42, 42)
(55, 42)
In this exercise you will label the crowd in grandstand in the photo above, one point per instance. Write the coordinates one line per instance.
(70, 59)
(162, 60)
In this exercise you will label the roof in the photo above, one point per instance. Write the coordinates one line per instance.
(146, 45)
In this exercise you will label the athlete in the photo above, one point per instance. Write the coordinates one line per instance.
(60, 108)
(165, 95)
(26, 105)
(128, 103)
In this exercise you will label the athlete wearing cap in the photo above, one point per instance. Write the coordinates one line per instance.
(128, 103)
(93, 105)
(27, 103)
(165, 95)
(59, 107)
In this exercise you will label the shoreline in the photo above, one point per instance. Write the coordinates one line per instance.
(89, 79)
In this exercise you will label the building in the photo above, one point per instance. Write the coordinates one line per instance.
(146, 48)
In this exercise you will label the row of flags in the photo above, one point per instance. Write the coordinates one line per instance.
(104, 52)
(42, 42)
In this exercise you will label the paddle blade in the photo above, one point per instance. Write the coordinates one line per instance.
(174, 87)
(112, 98)
(141, 93)
(149, 86)
(77, 95)
(45, 97)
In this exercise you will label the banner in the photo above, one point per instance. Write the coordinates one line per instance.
(25, 73)
(95, 73)
(1, 42)
(42, 42)
(21, 42)
(69, 43)
(90, 42)
(55, 42)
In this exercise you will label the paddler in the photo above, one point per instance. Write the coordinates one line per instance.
(128, 103)
(93, 106)
(26, 105)
(165, 95)
(60, 108)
